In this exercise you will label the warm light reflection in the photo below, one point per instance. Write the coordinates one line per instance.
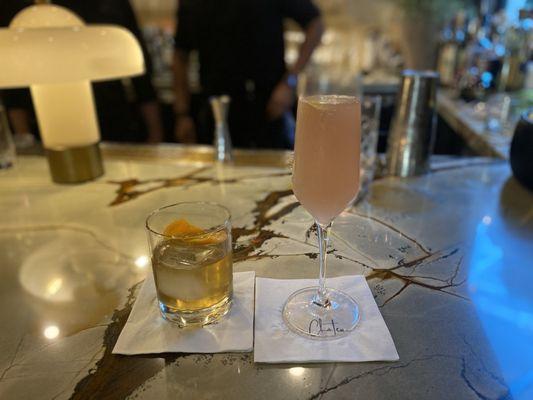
(297, 371)
(53, 286)
(142, 261)
(51, 332)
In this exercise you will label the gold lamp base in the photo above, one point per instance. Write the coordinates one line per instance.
(75, 164)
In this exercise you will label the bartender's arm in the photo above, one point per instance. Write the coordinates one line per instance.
(20, 120)
(184, 130)
(18, 105)
(152, 118)
(145, 92)
(283, 95)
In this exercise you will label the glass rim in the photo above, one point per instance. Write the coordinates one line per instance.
(217, 228)
(357, 98)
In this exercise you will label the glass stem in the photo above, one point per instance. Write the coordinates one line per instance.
(323, 239)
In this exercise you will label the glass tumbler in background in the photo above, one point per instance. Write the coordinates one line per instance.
(370, 116)
(190, 245)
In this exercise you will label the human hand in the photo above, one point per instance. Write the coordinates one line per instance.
(281, 100)
(185, 131)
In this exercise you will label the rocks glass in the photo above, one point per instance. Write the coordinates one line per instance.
(190, 245)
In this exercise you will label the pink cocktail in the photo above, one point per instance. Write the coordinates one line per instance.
(325, 181)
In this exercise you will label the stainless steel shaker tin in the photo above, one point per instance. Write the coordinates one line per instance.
(412, 134)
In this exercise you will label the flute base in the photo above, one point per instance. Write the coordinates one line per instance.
(306, 317)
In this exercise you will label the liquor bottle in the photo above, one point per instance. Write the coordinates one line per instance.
(453, 39)
(468, 50)
(517, 37)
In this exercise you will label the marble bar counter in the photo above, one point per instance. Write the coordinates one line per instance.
(472, 130)
(446, 255)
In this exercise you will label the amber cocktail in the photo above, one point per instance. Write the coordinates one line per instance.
(192, 261)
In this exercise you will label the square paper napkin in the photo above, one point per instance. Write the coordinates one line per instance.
(147, 332)
(275, 343)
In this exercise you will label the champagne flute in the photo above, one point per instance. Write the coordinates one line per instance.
(325, 181)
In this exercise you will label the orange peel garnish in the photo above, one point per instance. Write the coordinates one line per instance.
(182, 229)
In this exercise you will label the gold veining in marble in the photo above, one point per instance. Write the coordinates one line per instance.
(130, 189)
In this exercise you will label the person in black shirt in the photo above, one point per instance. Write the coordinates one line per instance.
(117, 102)
(241, 53)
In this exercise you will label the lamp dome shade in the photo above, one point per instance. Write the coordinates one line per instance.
(64, 50)
(45, 16)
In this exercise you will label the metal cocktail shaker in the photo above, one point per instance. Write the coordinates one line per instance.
(412, 134)
(223, 148)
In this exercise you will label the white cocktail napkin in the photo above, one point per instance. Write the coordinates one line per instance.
(147, 332)
(275, 343)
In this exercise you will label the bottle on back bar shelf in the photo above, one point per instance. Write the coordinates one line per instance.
(517, 42)
(453, 43)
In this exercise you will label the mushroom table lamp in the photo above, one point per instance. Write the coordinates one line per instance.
(51, 50)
